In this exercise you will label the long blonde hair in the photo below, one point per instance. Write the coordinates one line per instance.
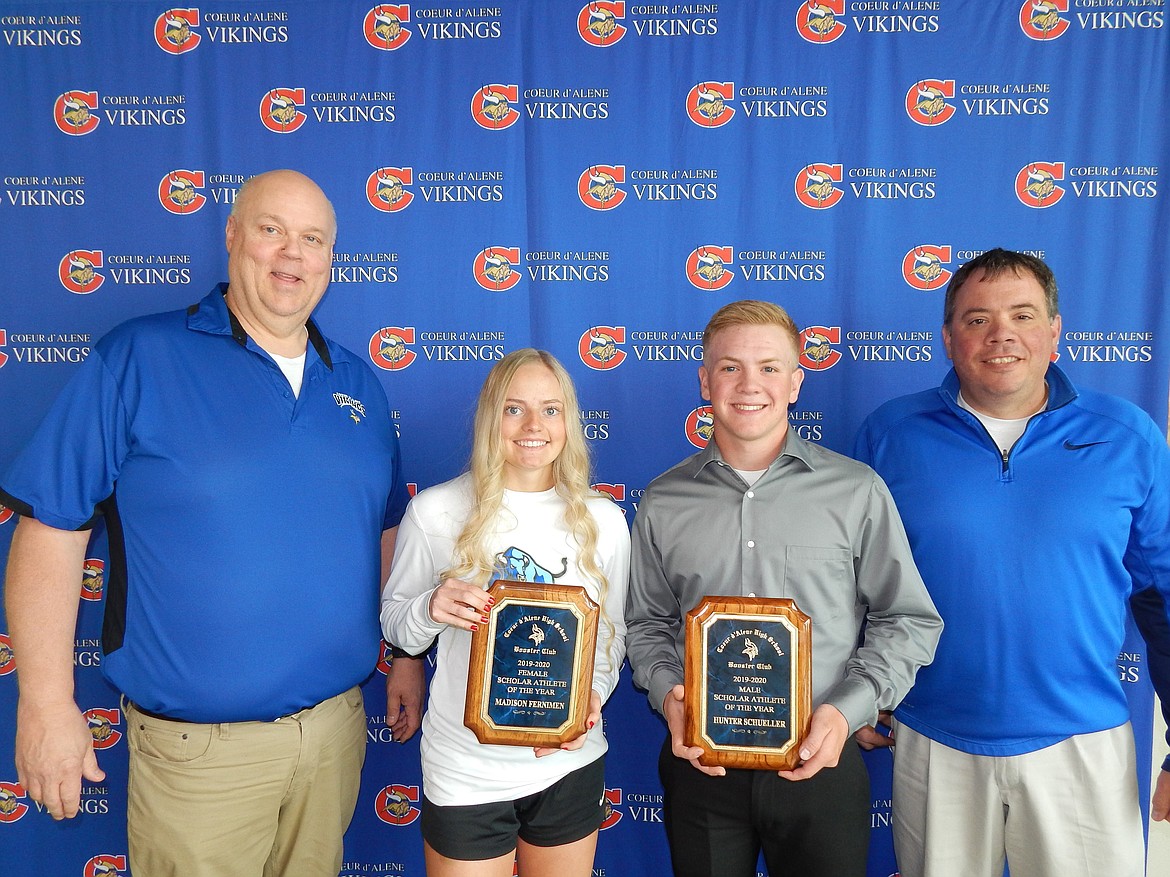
(473, 560)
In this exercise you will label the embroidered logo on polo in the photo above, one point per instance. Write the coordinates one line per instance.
(356, 409)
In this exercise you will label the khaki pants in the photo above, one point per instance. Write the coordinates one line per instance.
(1068, 810)
(244, 799)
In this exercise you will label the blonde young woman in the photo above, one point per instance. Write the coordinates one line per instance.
(526, 494)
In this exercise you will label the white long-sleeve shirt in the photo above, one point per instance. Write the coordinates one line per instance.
(457, 768)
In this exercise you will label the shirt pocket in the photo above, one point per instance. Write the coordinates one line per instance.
(820, 581)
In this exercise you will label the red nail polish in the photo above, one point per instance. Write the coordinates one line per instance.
(591, 725)
(491, 601)
(474, 628)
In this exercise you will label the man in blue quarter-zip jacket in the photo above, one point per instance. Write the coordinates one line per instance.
(1033, 512)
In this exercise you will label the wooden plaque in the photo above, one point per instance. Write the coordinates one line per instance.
(748, 681)
(531, 672)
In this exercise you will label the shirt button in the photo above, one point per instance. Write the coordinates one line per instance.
(751, 543)
(751, 494)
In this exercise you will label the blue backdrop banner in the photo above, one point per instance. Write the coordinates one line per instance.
(594, 178)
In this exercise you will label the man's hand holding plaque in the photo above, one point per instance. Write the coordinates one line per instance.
(748, 682)
(530, 680)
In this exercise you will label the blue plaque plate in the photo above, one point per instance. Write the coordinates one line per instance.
(531, 671)
(747, 680)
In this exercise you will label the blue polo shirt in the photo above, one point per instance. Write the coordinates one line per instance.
(244, 523)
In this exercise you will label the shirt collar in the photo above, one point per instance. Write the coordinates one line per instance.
(794, 447)
(213, 316)
(1061, 390)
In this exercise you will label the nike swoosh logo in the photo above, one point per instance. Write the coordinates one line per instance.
(1070, 446)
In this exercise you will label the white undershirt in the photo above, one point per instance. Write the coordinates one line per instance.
(293, 368)
(749, 477)
(1004, 433)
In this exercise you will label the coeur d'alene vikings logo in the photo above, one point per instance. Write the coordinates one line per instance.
(383, 28)
(172, 31)
(610, 815)
(280, 109)
(178, 191)
(93, 575)
(922, 267)
(597, 23)
(7, 656)
(493, 106)
(597, 187)
(817, 352)
(496, 269)
(76, 271)
(396, 804)
(707, 267)
(1041, 19)
(700, 426)
(815, 185)
(818, 22)
(386, 188)
(1036, 184)
(616, 492)
(598, 347)
(75, 112)
(11, 807)
(389, 350)
(105, 865)
(101, 726)
(926, 101)
(707, 104)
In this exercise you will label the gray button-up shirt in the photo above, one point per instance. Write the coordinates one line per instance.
(818, 528)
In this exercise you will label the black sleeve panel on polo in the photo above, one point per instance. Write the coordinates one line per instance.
(114, 616)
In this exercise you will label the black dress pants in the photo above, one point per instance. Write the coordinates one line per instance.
(717, 826)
